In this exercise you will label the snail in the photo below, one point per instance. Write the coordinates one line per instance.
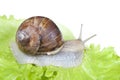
(39, 41)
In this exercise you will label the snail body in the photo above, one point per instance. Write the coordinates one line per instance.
(38, 36)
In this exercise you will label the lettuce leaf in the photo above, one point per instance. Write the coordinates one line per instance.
(97, 64)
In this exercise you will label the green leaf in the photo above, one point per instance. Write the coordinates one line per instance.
(66, 33)
(97, 64)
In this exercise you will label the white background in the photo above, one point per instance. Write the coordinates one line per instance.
(101, 17)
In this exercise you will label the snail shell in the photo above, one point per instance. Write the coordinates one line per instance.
(69, 53)
(38, 35)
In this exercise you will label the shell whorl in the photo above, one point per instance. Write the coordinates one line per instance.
(38, 34)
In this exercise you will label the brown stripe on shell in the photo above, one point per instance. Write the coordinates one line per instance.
(43, 23)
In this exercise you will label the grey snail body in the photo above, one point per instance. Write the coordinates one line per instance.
(67, 54)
